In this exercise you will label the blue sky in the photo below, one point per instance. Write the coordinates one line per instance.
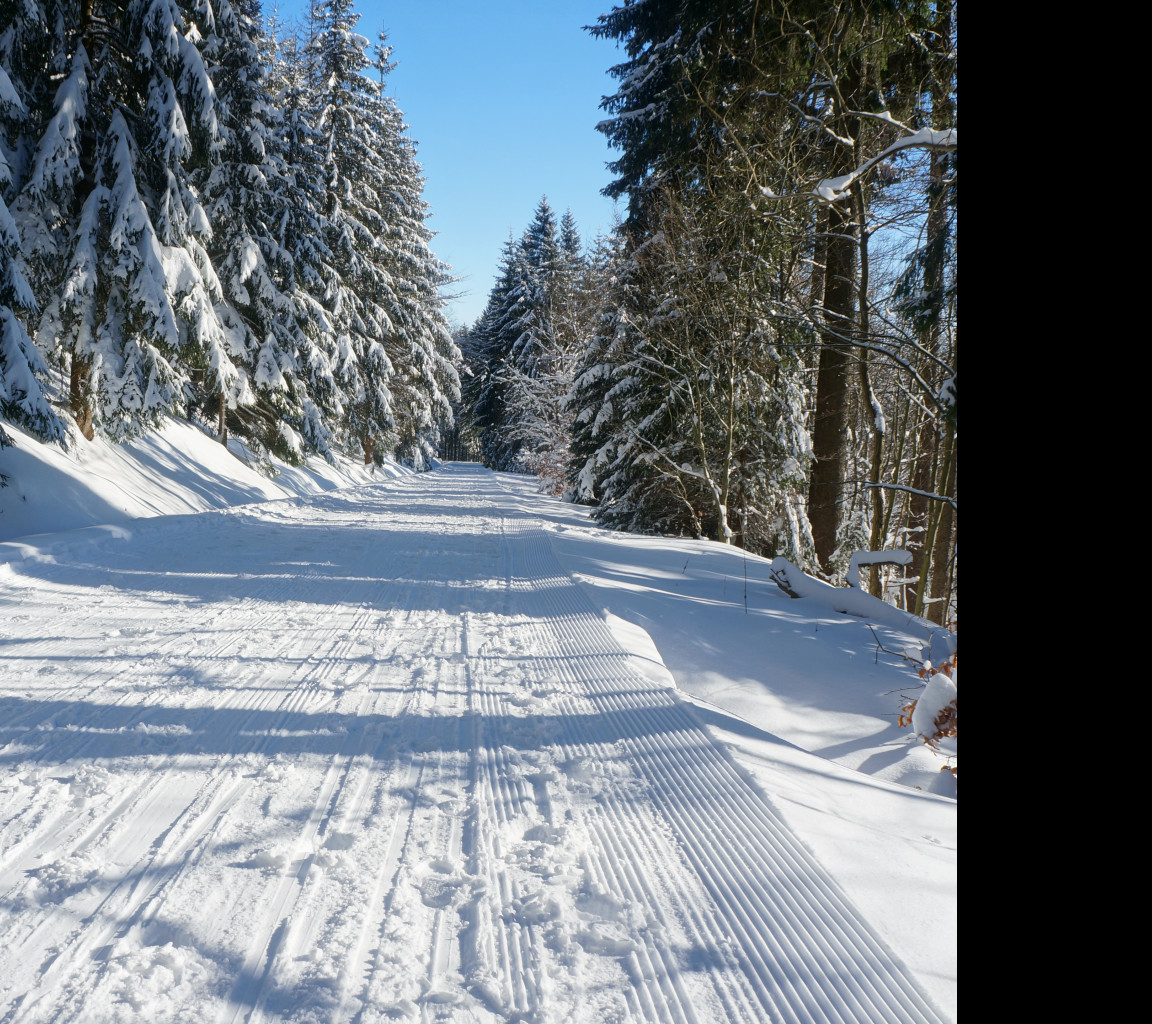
(502, 97)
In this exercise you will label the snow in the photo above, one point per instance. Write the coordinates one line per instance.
(8, 95)
(939, 692)
(833, 189)
(862, 558)
(175, 471)
(350, 746)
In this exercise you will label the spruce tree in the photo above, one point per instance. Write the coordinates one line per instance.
(419, 342)
(743, 117)
(537, 267)
(245, 187)
(359, 300)
(111, 224)
(306, 267)
(22, 397)
(488, 347)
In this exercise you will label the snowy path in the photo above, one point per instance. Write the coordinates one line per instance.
(375, 756)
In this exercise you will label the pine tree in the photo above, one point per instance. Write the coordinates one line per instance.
(523, 351)
(22, 397)
(111, 224)
(245, 188)
(306, 269)
(702, 427)
(568, 242)
(487, 349)
(419, 343)
(753, 119)
(614, 402)
(537, 266)
(354, 173)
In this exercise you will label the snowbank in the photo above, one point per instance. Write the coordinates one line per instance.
(941, 643)
(177, 470)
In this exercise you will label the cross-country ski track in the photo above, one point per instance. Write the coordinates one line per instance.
(374, 755)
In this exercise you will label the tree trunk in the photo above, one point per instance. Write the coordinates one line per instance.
(79, 400)
(222, 424)
(942, 482)
(830, 417)
(935, 465)
(819, 263)
(367, 449)
(919, 506)
(873, 411)
(943, 546)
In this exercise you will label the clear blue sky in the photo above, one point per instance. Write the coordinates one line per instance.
(502, 97)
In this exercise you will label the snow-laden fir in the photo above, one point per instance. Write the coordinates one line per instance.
(199, 217)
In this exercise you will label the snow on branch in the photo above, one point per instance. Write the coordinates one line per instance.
(860, 558)
(912, 490)
(833, 189)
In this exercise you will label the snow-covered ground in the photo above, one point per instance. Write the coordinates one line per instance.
(366, 747)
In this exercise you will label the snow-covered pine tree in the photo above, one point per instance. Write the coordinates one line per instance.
(594, 377)
(307, 270)
(247, 189)
(577, 291)
(420, 346)
(522, 351)
(539, 413)
(568, 241)
(485, 351)
(111, 225)
(355, 174)
(689, 411)
(538, 266)
(517, 325)
(619, 409)
(22, 397)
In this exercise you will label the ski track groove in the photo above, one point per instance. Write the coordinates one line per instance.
(801, 947)
(779, 940)
(145, 793)
(274, 936)
(116, 921)
(622, 824)
(131, 906)
(805, 902)
(655, 970)
(16, 860)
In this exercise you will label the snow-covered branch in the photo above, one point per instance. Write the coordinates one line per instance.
(913, 490)
(834, 189)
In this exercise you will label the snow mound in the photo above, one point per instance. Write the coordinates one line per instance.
(177, 470)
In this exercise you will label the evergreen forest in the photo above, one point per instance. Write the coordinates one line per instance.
(764, 352)
(205, 215)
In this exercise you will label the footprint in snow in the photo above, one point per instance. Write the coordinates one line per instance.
(339, 841)
(267, 860)
(441, 884)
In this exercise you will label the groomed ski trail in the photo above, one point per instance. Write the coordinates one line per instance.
(375, 756)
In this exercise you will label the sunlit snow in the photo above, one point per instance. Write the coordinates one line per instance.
(349, 745)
